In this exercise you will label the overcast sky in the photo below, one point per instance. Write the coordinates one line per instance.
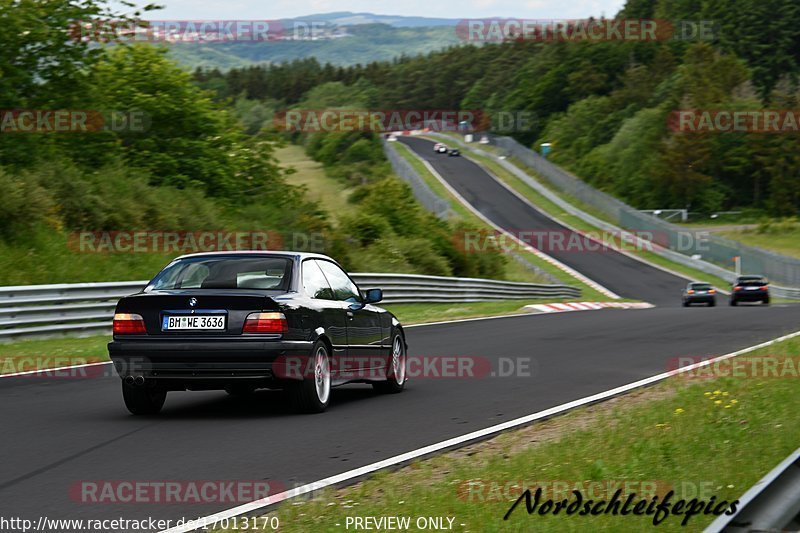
(457, 9)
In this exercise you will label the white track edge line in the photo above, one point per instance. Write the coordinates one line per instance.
(455, 441)
(542, 255)
(53, 370)
(567, 225)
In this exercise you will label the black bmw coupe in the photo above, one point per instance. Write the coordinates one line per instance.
(241, 321)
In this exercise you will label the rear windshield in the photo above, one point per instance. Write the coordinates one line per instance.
(752, 282)
(700, 286)
(225, 272)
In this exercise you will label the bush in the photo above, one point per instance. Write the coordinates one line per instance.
(365, 228)
(25, 205)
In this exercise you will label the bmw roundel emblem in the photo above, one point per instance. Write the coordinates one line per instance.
(192, 302)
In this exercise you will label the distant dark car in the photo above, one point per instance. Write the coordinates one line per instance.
(750, 289)
(454, 152)
(240, 321)
(699, 293)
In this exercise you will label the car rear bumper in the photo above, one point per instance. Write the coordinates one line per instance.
(750, 296)
(206, 363)
(705, 298)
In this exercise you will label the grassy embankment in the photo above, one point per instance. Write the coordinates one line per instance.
(699, 437)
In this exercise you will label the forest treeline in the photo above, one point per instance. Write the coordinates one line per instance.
(604, 106)
(143, 148)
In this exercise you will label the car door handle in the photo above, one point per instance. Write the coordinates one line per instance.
(350, 315)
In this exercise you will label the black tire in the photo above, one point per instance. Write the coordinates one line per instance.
(733, 303)
(686, 304)
(143, 400)
(304, 393)
(396, 380)
(765, 301)
(712, 303)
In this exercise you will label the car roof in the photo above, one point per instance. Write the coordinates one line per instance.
(251, 253)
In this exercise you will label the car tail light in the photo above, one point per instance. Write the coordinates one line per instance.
(737, 288)
(765, 287)
(712, 291)
(690, 291)
(128, 324)
(265, 323)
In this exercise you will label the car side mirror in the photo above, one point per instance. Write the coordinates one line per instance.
(373, 296)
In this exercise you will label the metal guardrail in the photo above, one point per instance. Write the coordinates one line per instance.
(772, 504)
(779, 268)
(87, 308)
(424, 195)
(788, 293)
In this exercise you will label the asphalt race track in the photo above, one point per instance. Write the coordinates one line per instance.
(619, 273)
(60, 431)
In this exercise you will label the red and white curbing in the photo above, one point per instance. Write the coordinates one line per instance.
(585, 306)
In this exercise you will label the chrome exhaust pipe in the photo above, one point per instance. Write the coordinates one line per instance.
(138, 381)
(129, 380)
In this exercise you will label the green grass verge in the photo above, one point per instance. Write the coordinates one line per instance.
(554, 210)
(29, 355)
(329, 192)
(786, 242)
(50, 257)
(702, 438)
(517, 272)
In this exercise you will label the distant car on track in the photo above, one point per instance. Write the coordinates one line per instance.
(240, 321)
(698, 292)
(750, 289)
(440, 148)
(454, 152)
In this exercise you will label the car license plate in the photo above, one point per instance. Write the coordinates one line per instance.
(753, 288)
(193, 322)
